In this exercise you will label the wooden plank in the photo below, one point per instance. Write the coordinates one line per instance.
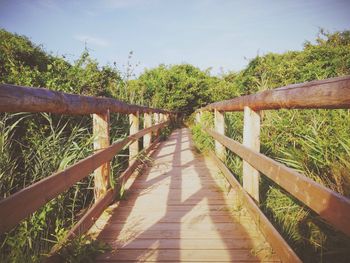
(192, 255)
(171, 233)
(25, 99)
(26, 201)
(219, 122)
(147, 122)
(333, 93)
(251, 139)
(174, 222)
(196, 243)
(331, 206)
(134, 128)
(101, 141)
(279, 245)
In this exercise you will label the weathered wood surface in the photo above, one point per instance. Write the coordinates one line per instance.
(251, 139)
(26, 201)
(179, 211)
(25, 99)
(147, 122)
(331, 206)
(283, 250)
(333, 93)
(101, 141)
(219, 123)
(134, 123)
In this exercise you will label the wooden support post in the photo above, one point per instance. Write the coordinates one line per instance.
(101, 141)
(251, 139)
(134, 128)
(156, 121)
(147, 122)
(219, 122)
(156, 118)
(198, 117)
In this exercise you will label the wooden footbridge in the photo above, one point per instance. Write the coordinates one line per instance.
(181, 206)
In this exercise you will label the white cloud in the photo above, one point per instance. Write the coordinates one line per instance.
(96, 41)
(122, 4)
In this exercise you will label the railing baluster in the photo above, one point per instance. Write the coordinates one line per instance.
(134, 128)
(147, 122)
(156, 121)
(101, 141)
(219, 121)
(198, 117)
(251, 139)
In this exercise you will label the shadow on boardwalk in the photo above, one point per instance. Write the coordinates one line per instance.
(177, 212)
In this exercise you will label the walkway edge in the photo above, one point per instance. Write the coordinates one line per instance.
(279, 245)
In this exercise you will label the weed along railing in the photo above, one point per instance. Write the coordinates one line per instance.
(325, 94)
(26, 201)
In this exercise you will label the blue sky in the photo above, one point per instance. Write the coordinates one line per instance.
(206, 33)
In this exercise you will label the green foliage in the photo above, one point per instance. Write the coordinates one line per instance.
(33, 146)
(82, 249)
(313, 142)
(182, 88)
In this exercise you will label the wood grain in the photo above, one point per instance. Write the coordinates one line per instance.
(101, 141)
(26, 201)
(331, 206)
(25, 99)
(134, 128)
(219, 123)
(251, 139)
(333, 93)
(173, 215)
(283, 250)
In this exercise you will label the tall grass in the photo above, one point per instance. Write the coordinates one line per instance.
(316, 143)
(33, 146)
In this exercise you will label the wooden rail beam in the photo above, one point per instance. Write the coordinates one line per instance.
(26, 201)
(25, 99)
(279, 245)
(219, 121)
(134, 128)
(333, 93)
(251, 139)
(331, 206)
(101, 141)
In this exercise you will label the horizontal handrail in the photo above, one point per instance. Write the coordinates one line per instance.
(26, 201)
(330, 205)
(25, 99)
(333, 93)
(88, 219)
(280, 246)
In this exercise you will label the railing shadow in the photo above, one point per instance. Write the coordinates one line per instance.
(168, 223)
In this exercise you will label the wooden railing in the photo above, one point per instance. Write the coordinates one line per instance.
(26, 201)
(325, 94)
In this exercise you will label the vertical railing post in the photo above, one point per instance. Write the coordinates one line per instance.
(134, 128)
(101, 141)
(251, 139)
(156, 121)
(198, 117)
(219, 122)
(147, 122)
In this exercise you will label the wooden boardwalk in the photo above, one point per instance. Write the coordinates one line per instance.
(181, 210)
